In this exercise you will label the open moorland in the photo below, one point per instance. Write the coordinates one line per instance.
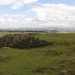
(57, 58)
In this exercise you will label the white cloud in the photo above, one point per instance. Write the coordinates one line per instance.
(7, 2)
(11, 21)
(16, 4)
(55, 15)
(28, 19)
(29, 1)
(13, 15)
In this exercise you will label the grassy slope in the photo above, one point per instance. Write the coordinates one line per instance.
(40, 61)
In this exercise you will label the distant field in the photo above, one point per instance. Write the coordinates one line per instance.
(49, 60)
(4, 33)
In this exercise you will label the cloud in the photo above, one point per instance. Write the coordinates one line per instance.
(7, 2)
(13, 16)
(16, 4)
(11, 20)
(61, 15)
(47, 15)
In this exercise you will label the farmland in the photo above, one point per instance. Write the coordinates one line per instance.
(48, 60)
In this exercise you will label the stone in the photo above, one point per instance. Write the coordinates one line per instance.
(62, 72)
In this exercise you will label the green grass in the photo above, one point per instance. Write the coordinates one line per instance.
(49, 60)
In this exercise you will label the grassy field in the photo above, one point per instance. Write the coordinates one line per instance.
(49, 60)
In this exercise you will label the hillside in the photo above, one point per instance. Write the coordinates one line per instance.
(55, 59)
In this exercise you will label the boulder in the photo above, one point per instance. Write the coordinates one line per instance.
(62, 72)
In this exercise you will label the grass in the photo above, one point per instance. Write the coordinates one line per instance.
(49, 60)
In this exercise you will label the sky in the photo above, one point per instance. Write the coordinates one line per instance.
(37, 13)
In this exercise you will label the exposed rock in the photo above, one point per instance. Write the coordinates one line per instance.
(67, 72)
(62, 72)
(5, 48)
(21, 41)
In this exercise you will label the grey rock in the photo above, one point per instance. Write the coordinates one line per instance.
(62, 72)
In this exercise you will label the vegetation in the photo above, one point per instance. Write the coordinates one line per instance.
(49, 60)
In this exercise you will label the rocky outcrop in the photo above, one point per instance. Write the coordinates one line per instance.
(21, 41)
